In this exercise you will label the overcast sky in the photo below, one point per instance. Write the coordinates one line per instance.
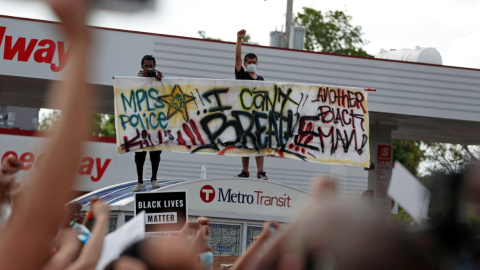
(452, 26)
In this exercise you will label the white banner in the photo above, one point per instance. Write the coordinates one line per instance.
(310, 122)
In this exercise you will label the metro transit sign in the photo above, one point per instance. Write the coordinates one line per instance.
(245, 197)
(207, 193)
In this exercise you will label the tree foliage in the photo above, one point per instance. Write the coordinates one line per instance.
(47, 123)
(434, 157)
(449, 158)
(246, 39)
(203, 35)
(440, 162)
(403, 217)
(102, 125)
(107, 129)
(409, 153)
(331, 32)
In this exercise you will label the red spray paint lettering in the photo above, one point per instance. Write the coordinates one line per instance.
(43, 50)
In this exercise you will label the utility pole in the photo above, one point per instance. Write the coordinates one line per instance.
(288, 24)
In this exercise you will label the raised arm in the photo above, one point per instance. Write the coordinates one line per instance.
(253, 250)
(238, 50)
(68, 247)
(92, 250)
(40, 208)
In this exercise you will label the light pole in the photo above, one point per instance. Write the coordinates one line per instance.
(288, 24)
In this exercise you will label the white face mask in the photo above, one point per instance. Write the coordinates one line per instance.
(251, 68)
(5, 213)
(207, 260)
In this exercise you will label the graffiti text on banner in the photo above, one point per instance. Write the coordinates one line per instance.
(309, 122)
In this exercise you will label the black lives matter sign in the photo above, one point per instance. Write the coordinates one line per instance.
(164, 211)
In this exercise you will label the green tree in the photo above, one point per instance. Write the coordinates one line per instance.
(403, 217)
(95, 123)
(107, 129)
(409, 153)
(203, 35)
(437, 158)
(331, 32)
(102, 125)
(449, 158)
(246, 39)
(47, 123)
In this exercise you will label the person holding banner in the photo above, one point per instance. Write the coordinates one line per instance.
(250, 62)
(148, 70)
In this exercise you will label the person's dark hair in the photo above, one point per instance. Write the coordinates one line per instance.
(250, 56)
(148, 57)
(133, 250)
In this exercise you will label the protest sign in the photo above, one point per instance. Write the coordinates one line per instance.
(310, 122)
(410, 193)
(116, 242)
(164, 211)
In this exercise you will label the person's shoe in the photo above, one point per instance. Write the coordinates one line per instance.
(138, 187)
(262, 175)
(155, 184)
(244, 174)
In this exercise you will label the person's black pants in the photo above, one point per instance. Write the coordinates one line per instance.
(140, 160)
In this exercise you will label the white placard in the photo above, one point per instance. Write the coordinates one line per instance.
(410, 193)
(117, 241)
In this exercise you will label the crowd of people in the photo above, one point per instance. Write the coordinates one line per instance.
(331, 233)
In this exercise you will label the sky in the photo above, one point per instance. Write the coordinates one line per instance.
(451, 26)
